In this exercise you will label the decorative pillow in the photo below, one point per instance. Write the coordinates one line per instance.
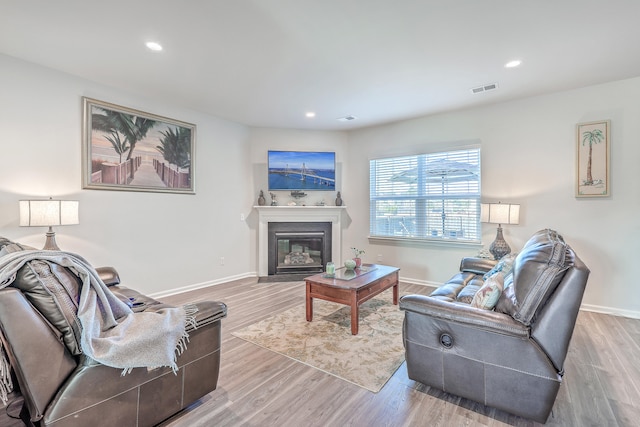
(505, 265)
(487, 296)
(55, 292)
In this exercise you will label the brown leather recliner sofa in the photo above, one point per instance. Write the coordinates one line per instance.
(510, 357)
(61, 387)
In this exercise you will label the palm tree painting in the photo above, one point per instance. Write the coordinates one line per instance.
(126, 149)
(593, 159)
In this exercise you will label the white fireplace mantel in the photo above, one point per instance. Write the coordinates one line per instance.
(267, 214)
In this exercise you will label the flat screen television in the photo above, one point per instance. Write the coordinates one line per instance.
(302, 170)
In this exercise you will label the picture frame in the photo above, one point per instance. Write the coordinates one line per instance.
(593, 152)
(130, 150)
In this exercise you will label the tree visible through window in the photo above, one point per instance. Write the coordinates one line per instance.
(426, 196)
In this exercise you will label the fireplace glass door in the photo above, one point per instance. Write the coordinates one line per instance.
(299, 252)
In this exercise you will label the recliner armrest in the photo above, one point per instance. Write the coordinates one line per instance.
(108, 275)
(477, 265)
(463, 314)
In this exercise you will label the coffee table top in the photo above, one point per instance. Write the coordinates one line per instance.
(361, 276)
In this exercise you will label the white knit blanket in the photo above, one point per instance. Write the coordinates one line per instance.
(112, 333)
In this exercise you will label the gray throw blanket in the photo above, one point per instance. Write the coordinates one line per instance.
(112, 333)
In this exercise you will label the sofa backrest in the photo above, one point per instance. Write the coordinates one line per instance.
(537, 271)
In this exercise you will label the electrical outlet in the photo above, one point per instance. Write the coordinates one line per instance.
(221, 260)
(241, 217)
(379, 257)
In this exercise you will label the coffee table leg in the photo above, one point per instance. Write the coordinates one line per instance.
(395, 294)
(309, 303)
(355, 311)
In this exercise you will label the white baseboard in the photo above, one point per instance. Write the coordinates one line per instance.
(420, 282)
(175, 291)
(611, 310)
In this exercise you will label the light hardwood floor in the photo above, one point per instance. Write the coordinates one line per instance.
(258, 387)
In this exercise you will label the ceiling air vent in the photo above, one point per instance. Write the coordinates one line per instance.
(485, 88)
(347, 118)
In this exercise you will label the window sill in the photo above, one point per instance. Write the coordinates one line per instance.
(412, 241)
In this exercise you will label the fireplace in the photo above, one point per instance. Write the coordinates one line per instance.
(268, 215)
(298, 247)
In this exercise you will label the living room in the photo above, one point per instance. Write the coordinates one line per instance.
(163, 244)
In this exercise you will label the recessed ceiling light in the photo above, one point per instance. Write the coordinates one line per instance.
(310, 114)
(512, 64)
(156, 47)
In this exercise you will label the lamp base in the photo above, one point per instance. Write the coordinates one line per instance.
(499, 247)
(50, 244)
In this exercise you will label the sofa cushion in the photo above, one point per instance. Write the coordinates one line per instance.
(487, 296)
(54, 291)
(466, 295)
(537, 271)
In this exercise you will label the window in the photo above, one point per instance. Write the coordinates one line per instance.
(428, 196)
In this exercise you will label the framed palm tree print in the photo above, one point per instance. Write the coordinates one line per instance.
(127, 149)
(593, 159)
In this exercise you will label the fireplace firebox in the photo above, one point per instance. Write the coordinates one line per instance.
(298, 247)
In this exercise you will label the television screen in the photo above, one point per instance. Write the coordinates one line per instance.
(302, 170)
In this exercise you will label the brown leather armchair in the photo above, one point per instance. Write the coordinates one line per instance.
(510, 358)
(62, 388)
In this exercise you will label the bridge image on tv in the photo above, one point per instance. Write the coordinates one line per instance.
(301, 170)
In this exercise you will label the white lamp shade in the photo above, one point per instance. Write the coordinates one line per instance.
(500, 213)
(47, 213)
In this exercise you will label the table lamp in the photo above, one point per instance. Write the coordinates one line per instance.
(47, 213)
(499, 213)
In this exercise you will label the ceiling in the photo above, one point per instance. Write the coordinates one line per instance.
(268, 62)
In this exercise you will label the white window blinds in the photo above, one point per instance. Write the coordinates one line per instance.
(426, 196)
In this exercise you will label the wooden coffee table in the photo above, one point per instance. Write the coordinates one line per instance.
(352, 289)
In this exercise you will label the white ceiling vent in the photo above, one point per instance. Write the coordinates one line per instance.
(347, 118)
(485, 88)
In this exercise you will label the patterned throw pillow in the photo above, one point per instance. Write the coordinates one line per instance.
(505, 265)
(487, 296)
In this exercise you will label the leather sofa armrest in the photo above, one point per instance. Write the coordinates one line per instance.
(477, 265)
(109, 275)
(464, 314)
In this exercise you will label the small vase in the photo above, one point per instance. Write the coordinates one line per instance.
(338, 199)
(261, 199)
(349, 264)
(358, 262)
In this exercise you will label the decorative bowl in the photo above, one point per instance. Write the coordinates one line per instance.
(350, 264)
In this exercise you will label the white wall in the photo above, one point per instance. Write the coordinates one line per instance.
(158, 242)
(162, 242)
(528, 157)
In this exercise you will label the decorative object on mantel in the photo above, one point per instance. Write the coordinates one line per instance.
(274, 201)
(356, 256)
(47, 213)
(499, 213)
(261, 199)
(338, 199)
(298, 194)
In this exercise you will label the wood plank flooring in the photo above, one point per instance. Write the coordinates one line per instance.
(258, 387)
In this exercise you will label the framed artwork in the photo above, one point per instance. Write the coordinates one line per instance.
(593, 151)
(130, 150)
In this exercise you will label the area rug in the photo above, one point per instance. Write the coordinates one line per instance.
(368, 359)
